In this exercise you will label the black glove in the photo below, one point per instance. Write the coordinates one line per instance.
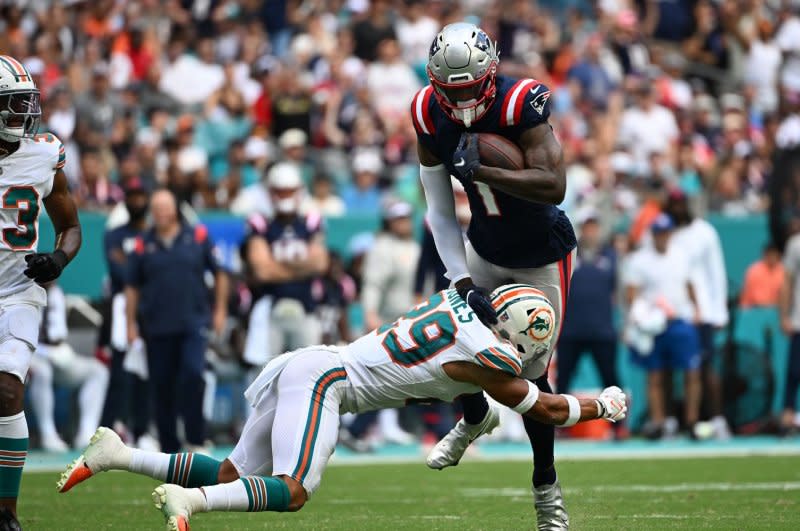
(44, 267)
(466, 158)
(479, 301)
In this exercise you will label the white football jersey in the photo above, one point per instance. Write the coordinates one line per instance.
(402, 361)
(26, 178)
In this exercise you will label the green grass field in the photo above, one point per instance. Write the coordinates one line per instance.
(712, 493)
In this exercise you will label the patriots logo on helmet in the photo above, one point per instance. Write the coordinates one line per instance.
(434, 47)
(482, 41)
(540, 100)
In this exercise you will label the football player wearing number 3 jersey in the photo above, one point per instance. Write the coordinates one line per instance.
(437, 350)
(31, 175)
(516, 232)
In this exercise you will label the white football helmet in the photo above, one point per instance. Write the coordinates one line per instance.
(526, 319)
(20, 109)
(462, 66)
(285, 184)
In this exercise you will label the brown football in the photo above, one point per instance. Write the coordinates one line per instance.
(499, 152)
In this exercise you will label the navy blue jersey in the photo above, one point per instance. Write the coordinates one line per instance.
(170, 278)
(504, 230)
(288, 242)
(118, 244)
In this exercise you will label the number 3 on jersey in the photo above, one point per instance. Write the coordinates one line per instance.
(489, 201)
(427, 336)
(25, 200)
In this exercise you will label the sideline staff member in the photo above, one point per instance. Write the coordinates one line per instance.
(166, 289)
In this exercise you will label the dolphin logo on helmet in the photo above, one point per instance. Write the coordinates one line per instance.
(525, 318)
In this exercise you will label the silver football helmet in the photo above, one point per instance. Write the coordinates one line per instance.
(462, 65)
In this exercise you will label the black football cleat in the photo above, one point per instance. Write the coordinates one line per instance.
(8, 522)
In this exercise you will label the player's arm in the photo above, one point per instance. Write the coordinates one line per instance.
(442, 214)
(263, 265)
(45, 267)
(316, 263)
(447, 233)
(525, 398)
(544, 179)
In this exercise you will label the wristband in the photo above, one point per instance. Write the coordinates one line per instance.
(574, 411)
(529, 400)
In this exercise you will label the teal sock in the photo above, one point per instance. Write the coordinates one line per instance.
(192, 470)
(13, 451)
(266, 493)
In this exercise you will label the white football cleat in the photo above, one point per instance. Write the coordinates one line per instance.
(551, 514)
(178, 504)
(450, 450)
(106, 451)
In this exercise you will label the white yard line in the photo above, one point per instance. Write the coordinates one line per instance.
(677, 487)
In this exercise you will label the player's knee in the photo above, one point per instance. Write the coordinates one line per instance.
(227, 472)
(11, 394)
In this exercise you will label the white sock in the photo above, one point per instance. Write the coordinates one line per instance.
(91, 398)
(153, 464)
(226, 497)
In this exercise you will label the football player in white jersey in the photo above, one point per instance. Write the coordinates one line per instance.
(31, 176)
(437, 350)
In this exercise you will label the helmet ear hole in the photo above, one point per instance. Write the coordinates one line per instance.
(520, 348)
(530, 311)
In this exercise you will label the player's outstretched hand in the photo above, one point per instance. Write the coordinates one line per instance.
(45, 267)
(478, 300)
(466, 158)
(612, 404)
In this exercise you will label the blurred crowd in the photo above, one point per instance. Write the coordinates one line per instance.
(243, 105)
(201, 96)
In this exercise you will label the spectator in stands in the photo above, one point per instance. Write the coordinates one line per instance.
(392, 83)
(323, 199)
(763, 280)
(659, 329)
(415, 32)
(699, 241)
(127, 406)
(56, 362)
(647, 127)
(373, 27)
(165, 290)
(96, 191)
(283, 256)
(363, 195)
(790, 323)
(589, 326)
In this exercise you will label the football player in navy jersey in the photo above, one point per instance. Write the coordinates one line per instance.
(284, 255)
(516, 233)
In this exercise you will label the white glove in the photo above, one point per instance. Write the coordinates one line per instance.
(611, 404)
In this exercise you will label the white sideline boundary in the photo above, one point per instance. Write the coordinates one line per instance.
(39, 462)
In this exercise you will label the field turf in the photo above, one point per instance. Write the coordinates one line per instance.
(711, 493)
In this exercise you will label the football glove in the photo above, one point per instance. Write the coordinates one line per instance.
(478, 299)
(611, 404)
(45, 267)
(466, 158)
